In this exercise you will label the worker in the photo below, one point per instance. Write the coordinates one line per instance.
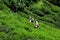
(36, 24)
(30, 19)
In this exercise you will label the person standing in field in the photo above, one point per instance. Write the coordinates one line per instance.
(31, 19)
(36, 24)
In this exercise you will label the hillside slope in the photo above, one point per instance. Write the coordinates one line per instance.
(16, 25)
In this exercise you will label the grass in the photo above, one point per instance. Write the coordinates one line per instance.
(23, 30)
(16, 26)
(34, 5)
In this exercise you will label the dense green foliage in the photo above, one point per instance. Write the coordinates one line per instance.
(18, 5)
(56, 2)
(15, 25)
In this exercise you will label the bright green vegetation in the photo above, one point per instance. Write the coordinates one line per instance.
(16, 25)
